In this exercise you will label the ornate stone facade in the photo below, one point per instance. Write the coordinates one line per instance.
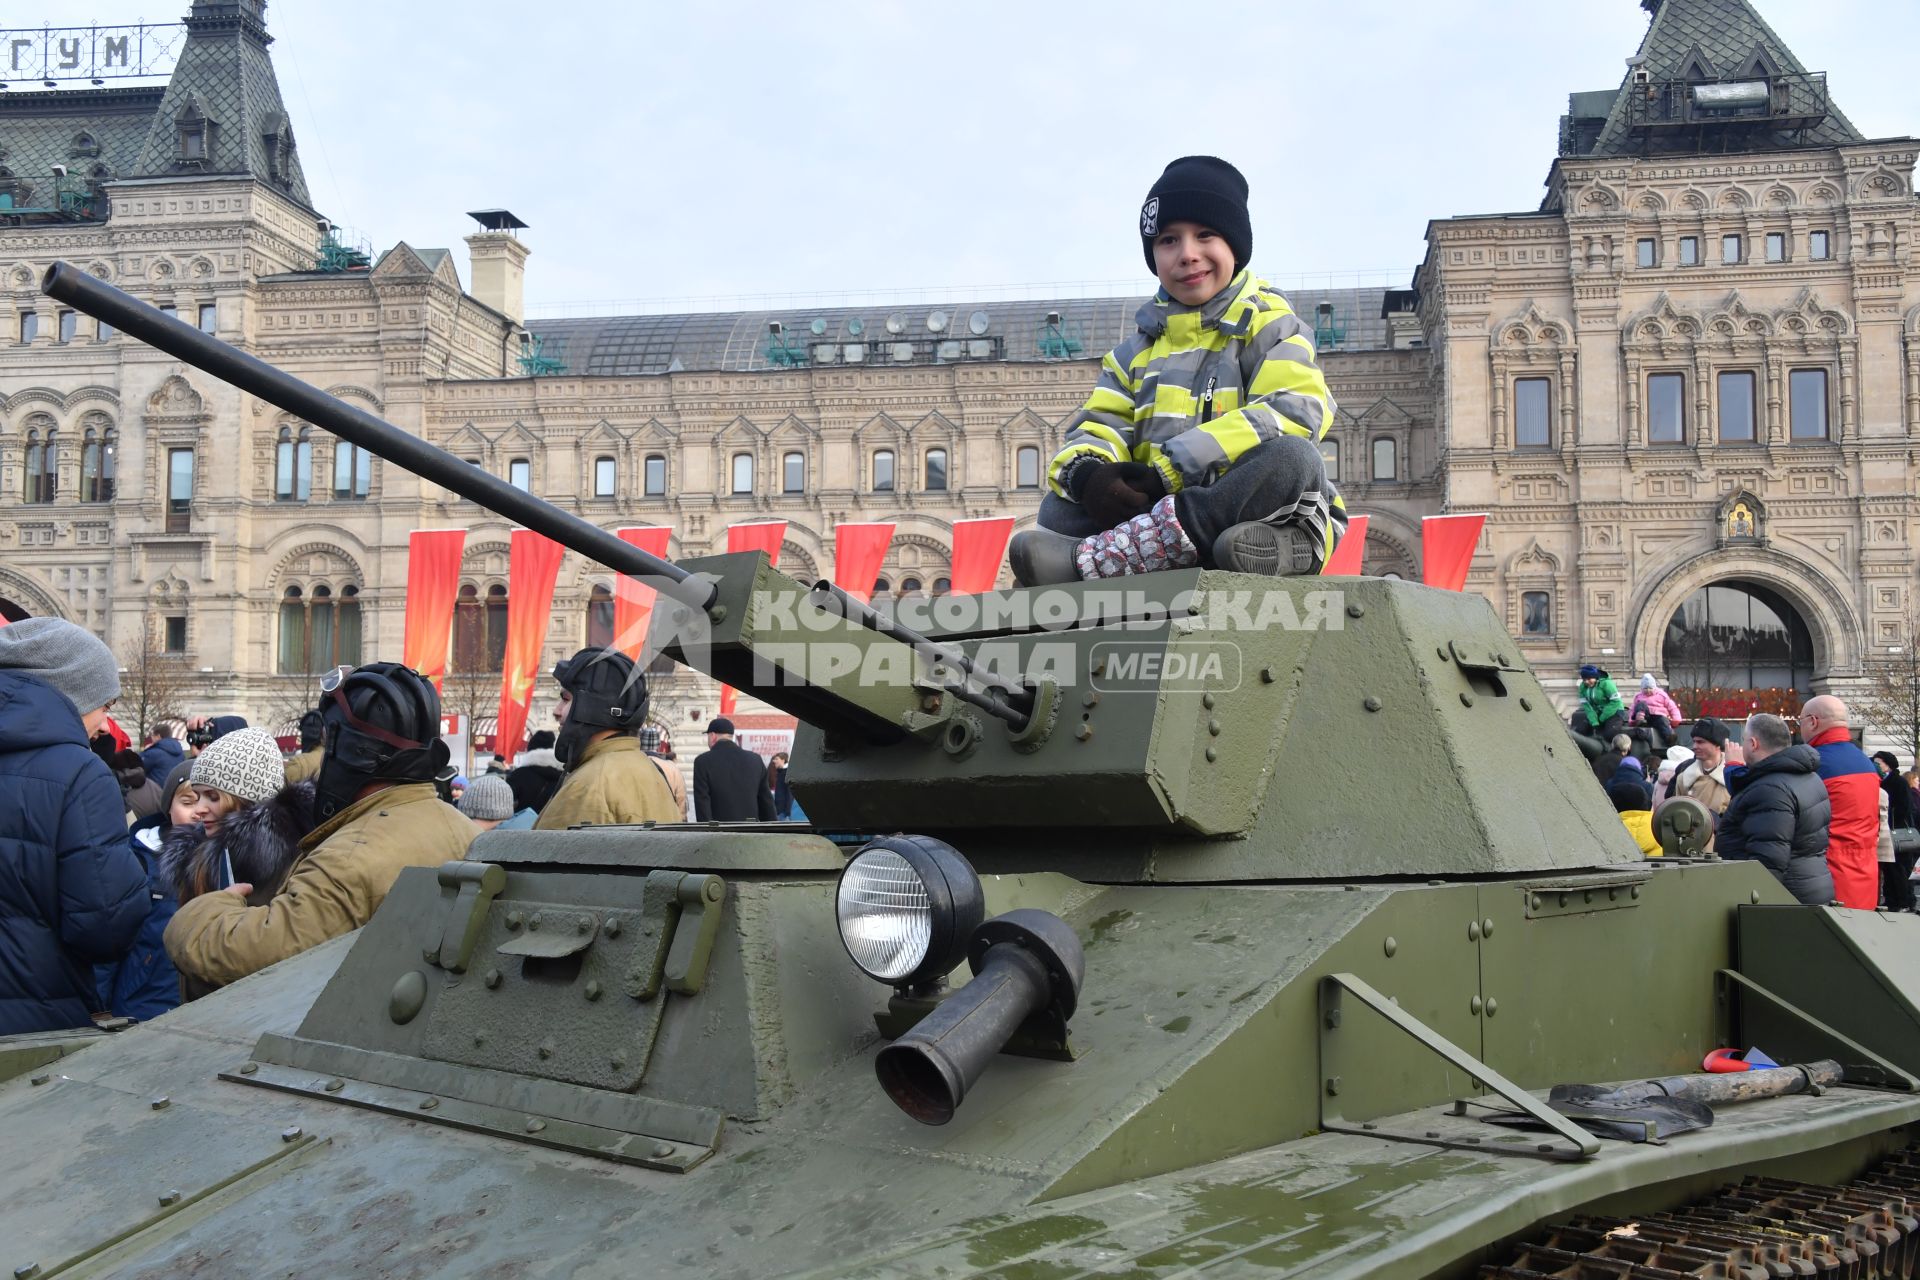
(1561, 370)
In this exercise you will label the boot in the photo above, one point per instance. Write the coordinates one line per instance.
(1276, 551)
(1148, 543)
(1042, 558)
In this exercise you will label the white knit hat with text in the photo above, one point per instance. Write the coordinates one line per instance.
(245, 764)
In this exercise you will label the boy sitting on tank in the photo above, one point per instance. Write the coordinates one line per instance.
(1199, 443)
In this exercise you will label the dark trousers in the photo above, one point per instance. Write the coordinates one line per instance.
(1660, 730)
(1280, 482)
(1896, 884)
(1616, 723)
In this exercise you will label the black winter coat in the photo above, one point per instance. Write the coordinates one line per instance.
(730, 785)
(260, 841)
(71, 891)
(1778, 816)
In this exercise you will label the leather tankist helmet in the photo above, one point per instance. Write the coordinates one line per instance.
(381, 723)
(608, 692)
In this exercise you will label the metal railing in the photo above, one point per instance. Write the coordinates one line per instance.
(1780, 102)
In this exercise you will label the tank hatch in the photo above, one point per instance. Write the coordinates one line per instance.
(616, 993)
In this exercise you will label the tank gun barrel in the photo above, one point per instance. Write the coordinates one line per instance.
(83, 292)
(954, 672)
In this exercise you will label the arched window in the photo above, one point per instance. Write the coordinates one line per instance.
(1027, 467)
(743, 473)
(793, 473)
(604, 471)
(909, 586)
(599, 617)
(883, 471)
(656, 475)
(90, 459)
(881, 587)
(318, 630)
(496, 627)
(1384, 460)
(941, 586)
(469, 630)
(293, 465)
(936, 470)
(352, 471)
(43, 461)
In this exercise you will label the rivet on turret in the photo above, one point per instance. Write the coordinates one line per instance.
(1371, 703)
(535, 1126)
(1206, 700)
(1466, 699)
(1392, 945)
(1526, 704)
(429, 1104)
(662, 1150)
(248, 1068)
(169, 1198)
(1213, 753)
(161, 1103)
(1266, 675)
(612, 927)
(1533, 902)
(335, 1085)
(1634, 892)
(1486, 927)
(1754, 897)
(291, 1135)
(1473, 931)
(515, 919)
(1213, 727)
(1084, 732)
(1473, 1005)
(1356, 610)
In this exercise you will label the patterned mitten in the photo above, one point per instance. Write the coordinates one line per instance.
(1151, 541)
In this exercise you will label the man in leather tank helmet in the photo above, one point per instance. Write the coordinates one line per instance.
(609, 778)
(379, 814)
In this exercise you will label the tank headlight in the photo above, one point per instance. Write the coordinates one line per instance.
(907, 906)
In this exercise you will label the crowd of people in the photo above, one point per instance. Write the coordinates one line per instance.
(1831, 823)
(131, 880)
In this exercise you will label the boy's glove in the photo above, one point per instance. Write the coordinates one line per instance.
(1118, 491)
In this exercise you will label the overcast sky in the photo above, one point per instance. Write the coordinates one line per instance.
(666, 153)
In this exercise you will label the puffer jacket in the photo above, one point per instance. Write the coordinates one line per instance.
(1196, 387)
(255, 845)
(71, 892)
(1654, 702)
(346, 867)
(143, 984)
(1601, 701)
(1778, 816)
(613, 781)
(160, 759)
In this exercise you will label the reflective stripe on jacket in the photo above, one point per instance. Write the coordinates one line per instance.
(1197, 387)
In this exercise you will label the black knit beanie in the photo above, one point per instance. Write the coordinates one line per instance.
(1202, 189)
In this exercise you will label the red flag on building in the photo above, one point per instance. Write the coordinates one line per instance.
(633, 599)
(433, 581)
(858, 552)
(979, 547)
(1349, 551)
(1446, 549)
(533, 563)
(765, 536)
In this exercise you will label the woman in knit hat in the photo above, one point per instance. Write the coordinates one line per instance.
(244, 823)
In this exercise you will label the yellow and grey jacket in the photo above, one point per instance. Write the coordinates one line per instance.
(1197, 387)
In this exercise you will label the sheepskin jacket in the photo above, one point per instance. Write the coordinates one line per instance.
(261, 841)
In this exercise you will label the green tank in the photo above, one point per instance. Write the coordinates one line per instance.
(1190, 924)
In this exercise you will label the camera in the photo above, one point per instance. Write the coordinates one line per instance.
(200, 739)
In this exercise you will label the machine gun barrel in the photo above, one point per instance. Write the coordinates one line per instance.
(1015, 703)
(128, 314)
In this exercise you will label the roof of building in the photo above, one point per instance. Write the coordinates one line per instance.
(223, 78)
(740, 341)
(1699, 40)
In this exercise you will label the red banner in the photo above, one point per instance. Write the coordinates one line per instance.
(533, 563)
(766, 537)
(1348, 552)
(433, 580)
(979, 547)
(632, 599)
(1446, 549)
(858, 552)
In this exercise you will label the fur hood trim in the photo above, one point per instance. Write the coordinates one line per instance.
(262, 841)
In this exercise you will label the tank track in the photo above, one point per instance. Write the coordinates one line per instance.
(1759, 1229)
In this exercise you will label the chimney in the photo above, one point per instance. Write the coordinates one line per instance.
(499, 262)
